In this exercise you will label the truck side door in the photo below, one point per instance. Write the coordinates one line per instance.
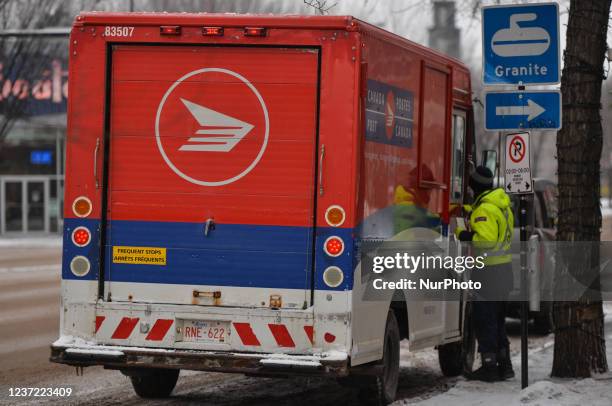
(456, 197)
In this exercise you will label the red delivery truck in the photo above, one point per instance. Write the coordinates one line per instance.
(222, 171)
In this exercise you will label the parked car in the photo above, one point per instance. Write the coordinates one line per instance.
(542, 215)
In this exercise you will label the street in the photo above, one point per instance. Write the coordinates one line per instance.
(282, 189)
(29, 321)
(29, 311)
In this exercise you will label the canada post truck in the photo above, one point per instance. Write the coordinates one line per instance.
(222, 172)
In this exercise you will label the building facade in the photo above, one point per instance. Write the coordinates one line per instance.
(33, 95)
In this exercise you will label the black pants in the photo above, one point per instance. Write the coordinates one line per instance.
(490, 326)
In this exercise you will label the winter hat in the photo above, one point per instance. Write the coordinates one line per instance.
(481, 179)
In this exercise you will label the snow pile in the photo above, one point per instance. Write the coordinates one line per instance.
(72, 341)
(547, 393)
(556, 392)
(289, 362)
(542, 390)
(79, 351)
(78, 343)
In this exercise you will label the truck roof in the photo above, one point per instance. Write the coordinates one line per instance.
(348, 23)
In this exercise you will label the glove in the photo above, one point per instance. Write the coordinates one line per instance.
(464, 235)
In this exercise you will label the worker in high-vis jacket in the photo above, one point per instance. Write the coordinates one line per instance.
(490, 230)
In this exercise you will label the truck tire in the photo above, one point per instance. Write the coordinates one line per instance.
(381, 389)
(458, 358)
(156, 383)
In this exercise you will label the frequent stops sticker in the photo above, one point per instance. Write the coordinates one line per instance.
(139, 255)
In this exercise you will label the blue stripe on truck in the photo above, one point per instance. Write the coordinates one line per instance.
(231, 255)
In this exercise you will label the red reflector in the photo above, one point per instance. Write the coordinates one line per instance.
(334, 246)
(170, 30)
(254, 32)
(81, 236)
(330, 338)
(212, 31)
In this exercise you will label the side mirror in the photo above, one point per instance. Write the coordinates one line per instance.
(489, 160)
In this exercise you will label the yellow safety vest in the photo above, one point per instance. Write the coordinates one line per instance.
(492, 223)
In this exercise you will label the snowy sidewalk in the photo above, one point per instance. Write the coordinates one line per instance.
(542, 390)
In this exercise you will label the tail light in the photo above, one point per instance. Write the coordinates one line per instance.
(170, 30)
(80, 265)
(212, 31)
(81, 236)
(335, 215)
(334, 246)
(81, 207)
(254, 32)
(333, 276)
(329, 337)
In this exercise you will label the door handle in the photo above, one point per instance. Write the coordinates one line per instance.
(95, 164)
(321, 157)
(210, 225)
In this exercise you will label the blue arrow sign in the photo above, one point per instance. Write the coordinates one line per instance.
(510, 110)
(520, 44)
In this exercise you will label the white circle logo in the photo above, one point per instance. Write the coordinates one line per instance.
(212, 127)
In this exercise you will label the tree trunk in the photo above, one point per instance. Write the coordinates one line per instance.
(579, 337)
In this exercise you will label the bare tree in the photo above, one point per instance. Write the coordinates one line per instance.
(25, 64)
(322, 7)
(579, 330)
(28, 61)
(216, 6)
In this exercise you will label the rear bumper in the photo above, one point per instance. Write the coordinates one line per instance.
(333, 363)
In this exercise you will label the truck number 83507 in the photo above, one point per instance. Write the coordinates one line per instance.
(114, 31)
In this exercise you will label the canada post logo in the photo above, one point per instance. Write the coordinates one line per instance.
(212, 127)
(389, 112)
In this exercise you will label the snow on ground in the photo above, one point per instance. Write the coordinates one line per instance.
(542, 390)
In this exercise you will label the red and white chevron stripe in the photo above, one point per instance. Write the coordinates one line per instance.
(126, 326)
(279, 332)
(261, 335)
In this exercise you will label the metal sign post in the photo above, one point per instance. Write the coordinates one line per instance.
(524, 296)
(517, 180)
(521, 47)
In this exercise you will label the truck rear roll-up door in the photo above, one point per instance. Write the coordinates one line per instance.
(211, 173)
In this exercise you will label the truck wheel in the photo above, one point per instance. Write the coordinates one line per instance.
(458, 357)
(381, 390)
(156, 383)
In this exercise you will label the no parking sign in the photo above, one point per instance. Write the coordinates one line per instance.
(518, 164)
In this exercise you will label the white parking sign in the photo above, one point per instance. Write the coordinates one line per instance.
(518, 164)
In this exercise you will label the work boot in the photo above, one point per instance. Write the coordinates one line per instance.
(488, 372)
(504, 364)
